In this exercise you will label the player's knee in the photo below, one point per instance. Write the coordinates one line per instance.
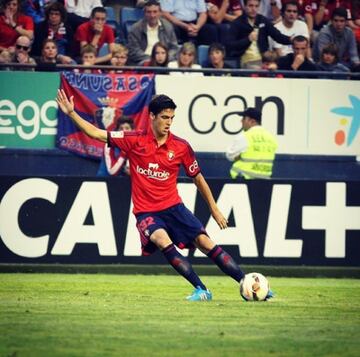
(160, 238)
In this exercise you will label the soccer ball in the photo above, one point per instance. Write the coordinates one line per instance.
(254, 287)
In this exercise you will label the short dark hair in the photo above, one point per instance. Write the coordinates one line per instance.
(88, 49)
(216, 46)
(5, 2)
(56, 6)
(300, 38)
(161, 102)
(269, 56)
(152, 3)
(332, 50)
(287, 3)
(341, 12)
(246, 1)
(124, 119)
(97, 9)
(253, 113)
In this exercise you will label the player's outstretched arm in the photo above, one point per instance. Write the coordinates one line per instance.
(205, 191)
(67, 106)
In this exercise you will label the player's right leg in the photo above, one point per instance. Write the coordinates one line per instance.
(181, 264)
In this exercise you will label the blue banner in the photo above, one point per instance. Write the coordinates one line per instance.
(101, 99)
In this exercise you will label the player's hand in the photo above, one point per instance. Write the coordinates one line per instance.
(66, 105)
(220, 219)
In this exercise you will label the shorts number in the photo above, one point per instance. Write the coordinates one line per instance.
(146, 222)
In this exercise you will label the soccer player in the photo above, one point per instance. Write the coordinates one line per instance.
(162, 219)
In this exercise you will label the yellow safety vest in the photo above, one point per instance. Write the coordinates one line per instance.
(257, 161)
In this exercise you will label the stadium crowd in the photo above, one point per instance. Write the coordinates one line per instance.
(268, 35)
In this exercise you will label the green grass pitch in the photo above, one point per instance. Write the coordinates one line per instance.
(146, 315)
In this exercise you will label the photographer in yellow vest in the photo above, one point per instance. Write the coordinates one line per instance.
(253, 151)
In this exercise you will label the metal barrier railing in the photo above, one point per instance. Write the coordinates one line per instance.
(207, 71)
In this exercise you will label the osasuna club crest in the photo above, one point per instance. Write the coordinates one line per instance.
(171, 155)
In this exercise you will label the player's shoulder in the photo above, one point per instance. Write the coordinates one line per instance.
(179, 141)
(182, 145)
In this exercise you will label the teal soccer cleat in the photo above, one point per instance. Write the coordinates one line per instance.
(270, 295)
(200, 295)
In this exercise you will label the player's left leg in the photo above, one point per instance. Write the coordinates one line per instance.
(222, 259)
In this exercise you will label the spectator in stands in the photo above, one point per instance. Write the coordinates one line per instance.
(355, 25)
(217, 55)
(88, 58)
(321, 12)
(159, 56)
(49, 53)
(79, 11)
(48, 60)
(189, 20)
(221, 13)
(56, 28)
(269, 61)
(114, 162)
(119, 58)
(148, 31)
(298, 60)
(329, 61)
(186, 59)
(21, 54)
(269, 64)
(301, 7)
(289, 26)
(50, 56)
(13, 24)
(340, 35)
(36, 9)
(268, 8)
(5, 57)
(120, 55)
(253, 151)
(249, 34)
(96, 33)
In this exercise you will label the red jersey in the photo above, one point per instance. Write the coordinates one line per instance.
(234, 5)
(8, 35)
(85, 33)
(154, 169)
(312, 7)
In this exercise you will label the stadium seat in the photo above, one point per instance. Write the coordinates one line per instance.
(128, 16)
(111, 21)
(202, 55)
(110, 13)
